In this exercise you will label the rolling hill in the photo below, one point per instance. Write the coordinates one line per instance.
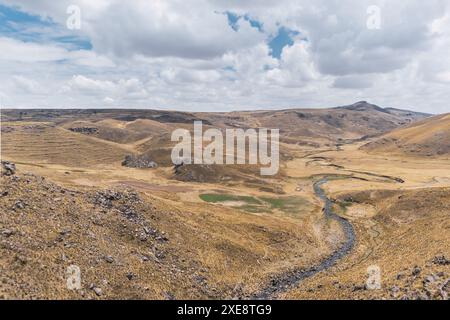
(429, 137)
(297, 126)
(222, 232)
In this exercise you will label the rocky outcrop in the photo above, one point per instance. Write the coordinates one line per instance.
(85, 130)
(142, 161)
(197, 173)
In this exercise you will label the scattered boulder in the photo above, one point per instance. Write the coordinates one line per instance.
(8, 168)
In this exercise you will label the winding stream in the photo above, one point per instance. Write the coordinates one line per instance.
(290, 279)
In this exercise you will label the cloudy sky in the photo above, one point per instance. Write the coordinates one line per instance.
(211, 55)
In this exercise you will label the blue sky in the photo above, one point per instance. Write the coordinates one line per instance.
(27, 27)
(283, 38)
(277, 42)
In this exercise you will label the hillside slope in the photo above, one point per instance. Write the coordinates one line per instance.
(429, 137)
(132, 245)
(409, 242)
(327, 126)
(39, 143)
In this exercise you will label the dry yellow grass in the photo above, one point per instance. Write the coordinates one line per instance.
(428, 137)
(237, 252)
(36, 143)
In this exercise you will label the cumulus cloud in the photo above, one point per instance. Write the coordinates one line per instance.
(27, 86)
(186, 55)
(90, 86)
(16, 50)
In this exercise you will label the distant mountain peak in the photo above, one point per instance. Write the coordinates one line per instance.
(363, 106)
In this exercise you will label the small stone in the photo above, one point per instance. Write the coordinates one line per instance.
(429, 279)
(416, 271)
(400, 275)
(143, 237)
(395, 291)
(19, 205)
(109, 259)
(359, 288)
(169, 296)
(8, 168)
(98, 291)
(7, 233)
(64, 232)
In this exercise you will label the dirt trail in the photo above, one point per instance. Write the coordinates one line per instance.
(290, 279)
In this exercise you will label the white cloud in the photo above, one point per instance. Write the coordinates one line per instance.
(108, 101)
(27, 86)
(16, 50)
(91, 86)
(296, 67)
(184, 55)
(29, 52)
